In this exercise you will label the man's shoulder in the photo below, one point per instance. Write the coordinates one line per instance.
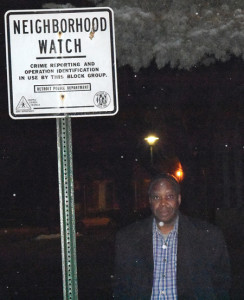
(197, 223)
(199, 227)
(137, 228)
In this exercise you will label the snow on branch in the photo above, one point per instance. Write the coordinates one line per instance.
(182, 33)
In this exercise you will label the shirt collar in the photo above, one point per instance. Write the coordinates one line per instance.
(174, 230)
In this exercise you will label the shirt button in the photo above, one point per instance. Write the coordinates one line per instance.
(164, 247)
(163, 292)
(164, 276)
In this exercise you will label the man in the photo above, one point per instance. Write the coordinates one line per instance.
(170, 256)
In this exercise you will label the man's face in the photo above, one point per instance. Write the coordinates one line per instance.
(164, 201)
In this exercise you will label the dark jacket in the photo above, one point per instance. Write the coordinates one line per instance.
(202, 261)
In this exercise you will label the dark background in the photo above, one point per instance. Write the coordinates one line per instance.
(198, 115)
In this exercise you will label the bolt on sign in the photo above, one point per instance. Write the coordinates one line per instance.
(61, 62)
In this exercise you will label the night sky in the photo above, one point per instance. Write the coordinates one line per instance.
(195, 112)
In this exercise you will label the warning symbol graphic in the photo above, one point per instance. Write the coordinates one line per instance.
(23, 105)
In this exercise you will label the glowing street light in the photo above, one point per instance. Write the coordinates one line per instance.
(151, 140)
(179, 172)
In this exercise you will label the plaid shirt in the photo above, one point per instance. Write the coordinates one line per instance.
(165, 263)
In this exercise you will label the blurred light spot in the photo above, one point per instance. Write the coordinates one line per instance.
(179, 172)
(151, 139)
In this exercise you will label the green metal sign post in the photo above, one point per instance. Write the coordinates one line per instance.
(80, 83)
(67, 210)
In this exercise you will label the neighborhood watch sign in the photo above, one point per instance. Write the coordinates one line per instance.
(61, 62)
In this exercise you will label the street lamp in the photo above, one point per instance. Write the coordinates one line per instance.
(179, 172)
(151, 140)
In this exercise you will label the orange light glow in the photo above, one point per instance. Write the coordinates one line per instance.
(179, 173)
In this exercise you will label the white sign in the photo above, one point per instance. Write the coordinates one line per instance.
(61, 62)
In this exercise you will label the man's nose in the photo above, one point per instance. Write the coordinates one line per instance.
(163, 201)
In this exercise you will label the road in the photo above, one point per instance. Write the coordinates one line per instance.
(31, 267)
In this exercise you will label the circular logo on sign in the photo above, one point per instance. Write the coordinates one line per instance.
(102, 99)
